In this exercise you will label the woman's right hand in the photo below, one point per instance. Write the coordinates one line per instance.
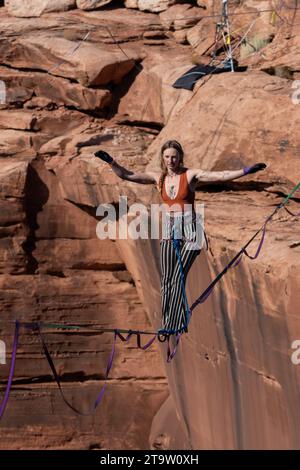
(104, 156)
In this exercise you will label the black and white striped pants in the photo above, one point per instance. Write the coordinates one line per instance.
(173, 299)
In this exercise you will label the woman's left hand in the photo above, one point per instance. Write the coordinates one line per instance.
(254, 168)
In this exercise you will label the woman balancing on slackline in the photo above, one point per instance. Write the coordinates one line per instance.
(176, 184)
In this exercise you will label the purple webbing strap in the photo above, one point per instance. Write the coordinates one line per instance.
(170, 354)
(108, 367)
(122, 337)
(238, 261)
(57, 380)
(233, 263)
(260, 243)
(12, 369)
(147, 345)
(138, 339)
(244, 251)
(291, 213)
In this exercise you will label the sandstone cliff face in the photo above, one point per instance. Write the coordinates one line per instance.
(98, 74)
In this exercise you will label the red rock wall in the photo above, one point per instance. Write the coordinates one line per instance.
(73, 86)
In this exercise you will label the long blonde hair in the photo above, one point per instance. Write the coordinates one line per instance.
(167, 145)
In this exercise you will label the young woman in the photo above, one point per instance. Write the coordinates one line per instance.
(176, 184)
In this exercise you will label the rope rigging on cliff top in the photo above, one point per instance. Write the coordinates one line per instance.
(163, 335)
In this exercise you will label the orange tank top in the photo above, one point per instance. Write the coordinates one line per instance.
(184, 194)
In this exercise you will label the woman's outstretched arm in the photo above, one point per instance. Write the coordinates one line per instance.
(142, 178)
(227, 175)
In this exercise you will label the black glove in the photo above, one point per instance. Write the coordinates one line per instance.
(104, 156)
(254, 168)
